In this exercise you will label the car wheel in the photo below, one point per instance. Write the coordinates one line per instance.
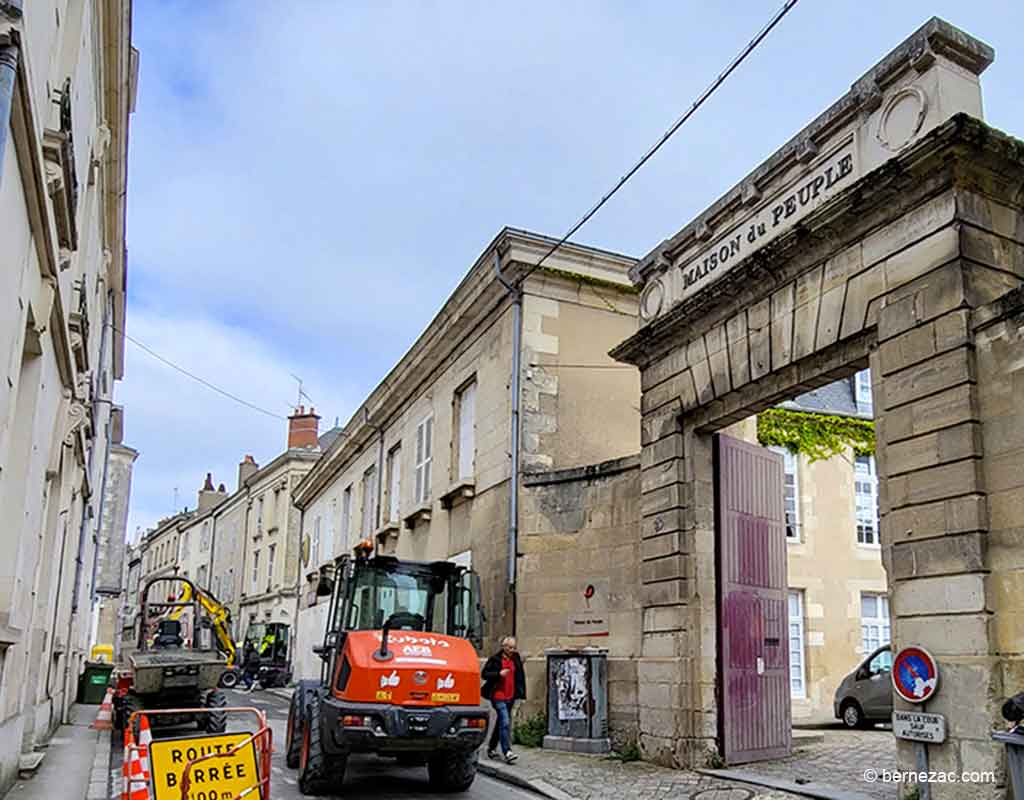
(229, 680)
(853, 717)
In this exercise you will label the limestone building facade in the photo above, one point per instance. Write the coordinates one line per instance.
(242, 546)
(110, 561)
(423, 468)
(67, 83)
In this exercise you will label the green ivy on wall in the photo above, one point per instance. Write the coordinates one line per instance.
(817, 436)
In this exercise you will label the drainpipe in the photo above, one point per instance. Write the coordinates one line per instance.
(106, 458)
(8, 71)
(380, 473)
(293, 645)
(89, 462)
(516, 296)
(79, 564)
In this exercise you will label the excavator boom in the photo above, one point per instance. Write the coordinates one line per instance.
(220, 618)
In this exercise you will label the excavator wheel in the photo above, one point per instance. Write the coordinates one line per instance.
(229, 679)
(319, 773)
(131, 703)
(216, 722)
(453, 770)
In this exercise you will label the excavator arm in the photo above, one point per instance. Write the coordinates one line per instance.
(220, 618)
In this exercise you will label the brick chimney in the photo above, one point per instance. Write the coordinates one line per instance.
(247, 469)
(303, 428)
(208, 496)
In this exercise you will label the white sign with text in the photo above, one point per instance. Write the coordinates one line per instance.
(919, 727)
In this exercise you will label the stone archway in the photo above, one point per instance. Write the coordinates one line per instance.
(889, 232)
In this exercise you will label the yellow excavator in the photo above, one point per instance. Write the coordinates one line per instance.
(219, 616)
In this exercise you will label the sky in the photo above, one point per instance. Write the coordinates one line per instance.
(309, 181)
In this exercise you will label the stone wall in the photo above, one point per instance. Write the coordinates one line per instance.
(580, 527)
(999, 352)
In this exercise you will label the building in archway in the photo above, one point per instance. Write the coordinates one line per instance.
(887, 233)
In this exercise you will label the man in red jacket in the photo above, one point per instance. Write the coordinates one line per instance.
(504, 683)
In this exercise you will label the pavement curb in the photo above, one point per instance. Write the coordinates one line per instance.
(815, 790)
(99, 779)
(509, 775)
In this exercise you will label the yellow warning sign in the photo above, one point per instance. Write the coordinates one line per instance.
(214, 779)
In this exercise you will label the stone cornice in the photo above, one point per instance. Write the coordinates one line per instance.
(917, 52)
(962, 143)
(478, 297)
(119, 69)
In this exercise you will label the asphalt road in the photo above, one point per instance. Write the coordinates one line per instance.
(366, 777)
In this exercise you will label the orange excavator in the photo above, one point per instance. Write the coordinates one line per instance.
(400, 675)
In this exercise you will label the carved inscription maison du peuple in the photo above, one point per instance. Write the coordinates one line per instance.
(774, 217)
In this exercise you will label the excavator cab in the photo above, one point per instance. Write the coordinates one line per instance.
(272, 643)
(400, 674)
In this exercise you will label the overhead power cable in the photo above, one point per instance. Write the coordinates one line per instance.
(195, 377)
(739, 59)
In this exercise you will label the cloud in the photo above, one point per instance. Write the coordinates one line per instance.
(310, 180)
(184, 430)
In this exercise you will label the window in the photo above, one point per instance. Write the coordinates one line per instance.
(790, 493)
(369, 495)
(255, 571)
(229, 585)
(866, 499)
(346, 516)
(464, 443)
(215, 589)
(201, 577)
(314, 549)
(204, 537)
(862, 390)
(184, 545)
(270, 565)
(424, 445)
(271, 510)
(327, 543)
(881, 664)
(874, 621)
(797, 684)
(394, 483)
(378, 593)
(259, 515)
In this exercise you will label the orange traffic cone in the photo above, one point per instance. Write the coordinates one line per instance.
(104, 720)
(129, 740)
(138, 784)
(145, 740)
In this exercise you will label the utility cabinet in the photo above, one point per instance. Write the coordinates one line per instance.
(577, 683)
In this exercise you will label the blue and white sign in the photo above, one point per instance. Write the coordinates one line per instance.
(915, 674)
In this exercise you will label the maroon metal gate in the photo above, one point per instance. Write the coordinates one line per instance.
(753, 658)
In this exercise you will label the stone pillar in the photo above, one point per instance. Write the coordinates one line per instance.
(935, 477)
(676, 671)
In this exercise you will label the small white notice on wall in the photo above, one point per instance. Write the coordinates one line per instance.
(919, 727)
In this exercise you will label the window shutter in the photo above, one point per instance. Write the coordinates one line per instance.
(467, 431)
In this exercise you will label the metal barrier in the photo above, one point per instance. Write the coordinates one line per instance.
(261, 741)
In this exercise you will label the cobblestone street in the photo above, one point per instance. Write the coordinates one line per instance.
(565, 775)
(838, 762)
(831, 762)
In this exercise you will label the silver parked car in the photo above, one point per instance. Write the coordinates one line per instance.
(865, 695)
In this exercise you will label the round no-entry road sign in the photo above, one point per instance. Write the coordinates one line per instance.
(915, 674)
